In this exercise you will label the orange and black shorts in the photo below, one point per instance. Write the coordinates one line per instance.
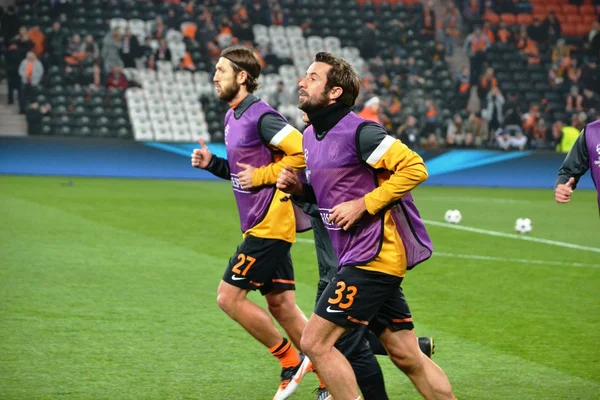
(358, 297)
(263, 264)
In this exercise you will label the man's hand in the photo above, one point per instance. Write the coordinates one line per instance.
(245, 175)
(201, 157)
(563, 192)
(347, 214)
(288, 181)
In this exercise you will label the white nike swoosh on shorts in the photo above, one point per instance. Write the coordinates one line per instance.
(329, 310)
(237, 278)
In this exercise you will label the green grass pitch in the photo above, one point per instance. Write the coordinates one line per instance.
(108, 291)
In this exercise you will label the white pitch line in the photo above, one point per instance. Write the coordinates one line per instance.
(513, 260)
(513, 236)
(495, 259)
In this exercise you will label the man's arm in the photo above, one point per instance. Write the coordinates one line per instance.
(219, 167)
(276, 132)
(381, 151)
(576, 163)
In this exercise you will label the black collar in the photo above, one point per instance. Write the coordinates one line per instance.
(244, 105)
(326, 118)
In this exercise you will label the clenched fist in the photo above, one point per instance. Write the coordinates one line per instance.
(201, 157)
(288, 181)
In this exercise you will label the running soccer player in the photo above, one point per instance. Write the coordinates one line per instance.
(259, 143)
(584, 155)
(360, 345)
(361, 179)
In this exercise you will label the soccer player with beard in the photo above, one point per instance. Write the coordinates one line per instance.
(259, 144)
(360, 345)
(361, 179)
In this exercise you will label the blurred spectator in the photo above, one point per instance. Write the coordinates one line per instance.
(450, 28)
(163, 53)
(551, 27)
(371, 110)
(431, 141)
(111, 47)
(530, 118)
(455, 134)
(591, 42)
(276, 16)
(590, 76)
(130, 49)
(96, 78)
(256, 12)
(476, 131)
(74, 55)
(116, 79)
(540, 135)
(369, 38)
(574, 101)
(428, 22)
(590, 102)
(573, 72)
(529, 48)
(494, 111)
(463, 87)
(566, 135)
(474, 102)
(31, 72)
(56, 43)
(514, 138)
(38, 39)
(504, 35)
(225, 35)
(16, 52)
(414, 73)
(476, 44)
(487, 82)
(488, 32)
(9, 24)
(439, 53)
(90, 48)
(187, 63)
(72, 75)
(555, 75)
(408, 132)
(172, 21)
(560, 52)
(34, 114)
(431, 117)
(242, 29)
(158, 30)
(536, 31)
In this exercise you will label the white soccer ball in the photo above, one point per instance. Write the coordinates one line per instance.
(453, 216)
(523, 225)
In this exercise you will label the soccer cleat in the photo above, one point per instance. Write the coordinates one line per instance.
(427, 346)
(291, 377)
(323, 394)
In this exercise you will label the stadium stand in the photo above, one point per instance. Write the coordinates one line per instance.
(143, 69)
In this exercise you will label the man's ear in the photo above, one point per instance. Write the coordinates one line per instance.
(241, 77)
(335, 93)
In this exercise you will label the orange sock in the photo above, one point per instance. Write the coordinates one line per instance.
(321, 383)
(288, 357)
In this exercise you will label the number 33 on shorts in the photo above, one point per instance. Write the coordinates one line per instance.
(343, 296)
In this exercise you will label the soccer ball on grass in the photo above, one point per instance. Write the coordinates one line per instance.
(453, 216)
(523, 225)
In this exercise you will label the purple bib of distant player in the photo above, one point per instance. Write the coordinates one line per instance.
(337, 175)
(592, 141)
(244, 145)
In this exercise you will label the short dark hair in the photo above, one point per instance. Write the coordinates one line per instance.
(342, 75)
(243, 59)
